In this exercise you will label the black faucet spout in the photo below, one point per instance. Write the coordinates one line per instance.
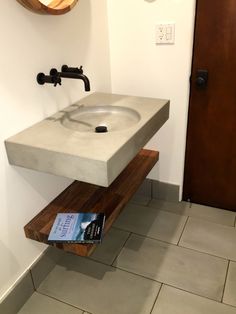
(86, 82)
(77, 76)
(73, 73)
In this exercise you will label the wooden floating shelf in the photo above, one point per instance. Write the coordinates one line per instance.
(85, 197)
(55, 7)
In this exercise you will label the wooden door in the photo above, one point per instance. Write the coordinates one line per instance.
(210, 165)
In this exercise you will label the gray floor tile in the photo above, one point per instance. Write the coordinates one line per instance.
(175, 301)
(216, 215)
(140, 199)
(98, 288)
(183, 268)
(230, 288)
(153, 223)
(110, 247)
(180, 208)
(210, 238)
(39, 304)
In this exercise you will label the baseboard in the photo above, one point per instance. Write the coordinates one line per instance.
(159, 190)
(26, 285)
(44, 265)
(165, 191)
(20, 293)
(145, 189)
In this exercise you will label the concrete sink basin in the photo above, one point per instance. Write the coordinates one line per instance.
(90, 118)
(66, 143)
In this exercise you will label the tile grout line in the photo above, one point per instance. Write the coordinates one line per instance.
(138, 204)
(151, 279)
(186, 215)
(189, 216)
(133, 273)
(32, 278)
(145, 236)
(183, 230)
(114, 227)
(120, 250)
(66, 303)
(190, 205)
(198, 295)
(167, 284)
(162, 285)
(197, 217)
(148, 278)
(142, 277)
(226, 277)
(155, 301)
(189, 249)
(110, 264)
(180, 246)
(213, 222)
(201, 252)
(117, 255)
(152, 193)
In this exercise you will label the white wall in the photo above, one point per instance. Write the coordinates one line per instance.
(32, 43)
(139, 67)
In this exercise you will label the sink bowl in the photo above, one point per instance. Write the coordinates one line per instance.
(66, 144)
(87, 119)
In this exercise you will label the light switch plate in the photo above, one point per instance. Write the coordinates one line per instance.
(165, 34)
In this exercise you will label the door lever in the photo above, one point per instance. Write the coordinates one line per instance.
(201, 79)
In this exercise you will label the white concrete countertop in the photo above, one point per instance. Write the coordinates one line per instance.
(96, 158)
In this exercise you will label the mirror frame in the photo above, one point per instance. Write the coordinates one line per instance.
(61, 6)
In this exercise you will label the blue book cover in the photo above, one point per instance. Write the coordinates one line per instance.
(77, 228)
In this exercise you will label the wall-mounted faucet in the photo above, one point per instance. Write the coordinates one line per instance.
(66, 72)
(73, 73)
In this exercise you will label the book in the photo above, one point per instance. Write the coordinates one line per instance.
(77, 228)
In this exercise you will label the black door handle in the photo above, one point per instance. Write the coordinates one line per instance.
(201, 79)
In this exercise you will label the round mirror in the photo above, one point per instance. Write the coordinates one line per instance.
(54, 7)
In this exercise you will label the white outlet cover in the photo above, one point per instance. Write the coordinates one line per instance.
(165, 33)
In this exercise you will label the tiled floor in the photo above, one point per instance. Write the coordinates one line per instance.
(159, 258)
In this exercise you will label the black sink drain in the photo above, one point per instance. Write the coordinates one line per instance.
(101, 129)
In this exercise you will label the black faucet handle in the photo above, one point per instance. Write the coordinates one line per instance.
(51, 79)
(67, 69)
(57, 80)
(43, 79)
(55, 77)
(54, 72)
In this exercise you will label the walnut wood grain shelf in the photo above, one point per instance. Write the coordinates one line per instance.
(85, 197)
(55, 7)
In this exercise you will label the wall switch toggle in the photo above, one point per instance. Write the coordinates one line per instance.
(165, 34)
